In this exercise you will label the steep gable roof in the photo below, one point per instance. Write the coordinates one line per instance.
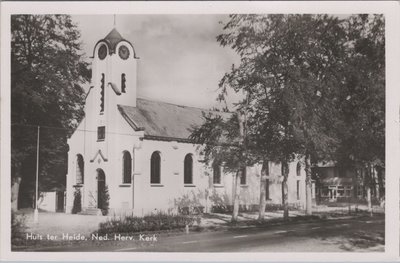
(165, 121)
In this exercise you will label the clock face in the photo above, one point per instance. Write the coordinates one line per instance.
(123, 52)
(102, 52)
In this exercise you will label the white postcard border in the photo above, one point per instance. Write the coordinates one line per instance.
(389, 8)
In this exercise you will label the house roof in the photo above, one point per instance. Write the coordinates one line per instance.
(165, 121)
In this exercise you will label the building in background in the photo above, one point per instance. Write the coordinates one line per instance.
(337, 184)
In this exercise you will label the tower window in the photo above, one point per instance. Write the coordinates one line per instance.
(102, 94)
(101, 133)
(123, 83)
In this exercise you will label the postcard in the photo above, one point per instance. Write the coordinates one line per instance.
(201, 131)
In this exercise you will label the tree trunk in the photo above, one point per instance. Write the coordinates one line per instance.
(242, 165)
(263, 185)
(236, 195)
(369, 199)
(369, 187)
(14, 193)
(376, 185)
(355, 193)
(308, 185)
(285, 203)
(379, 173)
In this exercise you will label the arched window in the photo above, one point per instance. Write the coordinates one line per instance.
(80, 169)
(155, 168)
(243, 176)
(216, 173)
(126, 168)
(188, 169)
(298, 169)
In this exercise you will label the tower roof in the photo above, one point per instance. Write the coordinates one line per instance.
(112, 39)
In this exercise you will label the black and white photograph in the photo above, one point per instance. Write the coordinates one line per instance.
(232, 131)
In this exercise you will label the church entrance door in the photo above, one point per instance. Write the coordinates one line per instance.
(102, 197)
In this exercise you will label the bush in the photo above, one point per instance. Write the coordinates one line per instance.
(77, 207)
(228, 209)
(276, 207)
(18, 229)
(222, 209)
(105, 201)
(157, 222)
(191, 210)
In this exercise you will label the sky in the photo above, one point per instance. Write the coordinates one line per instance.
(180, 62)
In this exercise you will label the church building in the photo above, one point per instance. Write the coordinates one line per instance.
(135, 155)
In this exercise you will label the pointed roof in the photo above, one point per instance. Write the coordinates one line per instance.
(112, 39)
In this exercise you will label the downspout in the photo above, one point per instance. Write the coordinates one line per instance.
(84, 145)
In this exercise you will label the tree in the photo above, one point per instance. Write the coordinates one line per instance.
(47, 71)
(104, 200)
(362, 101)
(222, 136)
(291, 66)
(77, 207)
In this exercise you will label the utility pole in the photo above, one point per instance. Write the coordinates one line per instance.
(36, 212)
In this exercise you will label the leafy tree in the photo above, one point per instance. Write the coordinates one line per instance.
(290, 68)
(47, 71)
(223, 138)
(362, 101)
(104, 200)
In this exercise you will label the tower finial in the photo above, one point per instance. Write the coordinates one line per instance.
(115, 21)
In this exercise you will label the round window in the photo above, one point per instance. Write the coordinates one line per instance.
(102, 52)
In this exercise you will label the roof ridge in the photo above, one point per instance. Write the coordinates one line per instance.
(178, 105)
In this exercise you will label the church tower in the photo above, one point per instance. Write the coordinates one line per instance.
(113, 83)
(95, 155)
(114, 71)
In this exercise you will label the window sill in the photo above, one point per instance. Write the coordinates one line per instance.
(156, 185)
(102, 140)
(78, 185)
(218, 186)
(189, 185)
(125, 185)
(244, 185)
